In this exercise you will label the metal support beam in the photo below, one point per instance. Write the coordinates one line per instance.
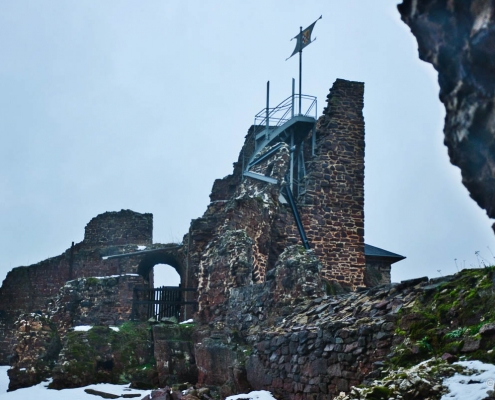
(268, 110)
(301, 166)
(300, 68)
(293, 94)
(260, 177)
(297, 217)
(313, 140)
(264, 156)
(291, 179)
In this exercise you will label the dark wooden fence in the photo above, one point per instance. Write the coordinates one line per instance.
(163, 302)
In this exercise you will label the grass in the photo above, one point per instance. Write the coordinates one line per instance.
(442, 320)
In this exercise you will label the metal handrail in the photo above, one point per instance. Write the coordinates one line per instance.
(284, 111)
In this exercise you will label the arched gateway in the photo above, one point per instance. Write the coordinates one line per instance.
(166, 301)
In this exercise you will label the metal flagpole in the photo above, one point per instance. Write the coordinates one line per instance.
(300, 67)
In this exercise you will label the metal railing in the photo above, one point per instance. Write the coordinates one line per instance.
(286, 110)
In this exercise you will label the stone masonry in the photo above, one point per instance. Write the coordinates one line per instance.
(243, 257)
(30, 289)
(261, 227)
(332, 206)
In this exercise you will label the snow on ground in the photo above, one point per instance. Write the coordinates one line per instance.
(256, 395)
(85, 328)
(113, 276)
(462, 386)
(40, 392)
(470, 387)
(141, 247)
(82, 328)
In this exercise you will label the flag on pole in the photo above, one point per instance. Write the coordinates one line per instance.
(303, 38)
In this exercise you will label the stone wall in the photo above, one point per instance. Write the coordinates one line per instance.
(377, 273)
(119, 228)
(94, 301)
(102, 354)
(173, 350)
(331, 208)
(29, 289)
(302, 344)
(35, 349)
(333, 211)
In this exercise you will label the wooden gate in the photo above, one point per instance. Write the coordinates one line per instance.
(158, 303)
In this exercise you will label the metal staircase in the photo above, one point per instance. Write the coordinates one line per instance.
(278, 125)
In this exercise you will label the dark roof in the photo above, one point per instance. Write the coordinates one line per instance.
(372, 251)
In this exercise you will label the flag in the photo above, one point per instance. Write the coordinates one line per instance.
(303, 38)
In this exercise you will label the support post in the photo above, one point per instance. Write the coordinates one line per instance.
(297, 218)
(188, 263)
(291, 183)
(313, 140)
(300, 67)
(293, 93)
(267, 110)
(71, 262)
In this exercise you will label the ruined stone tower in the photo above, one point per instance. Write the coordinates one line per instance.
(332, 206)
(251, 221)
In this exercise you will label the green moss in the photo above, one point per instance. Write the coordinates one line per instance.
(475, 329)
(467, 302)
(92, 281)
(400, 332)
(129, 349)
(424, 344)
(379, 392)
(456, 333)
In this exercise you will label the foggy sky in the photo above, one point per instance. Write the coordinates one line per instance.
(110, 105)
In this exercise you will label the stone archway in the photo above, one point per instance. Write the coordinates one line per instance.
(165, 275)
(168, 301)
(164, 256)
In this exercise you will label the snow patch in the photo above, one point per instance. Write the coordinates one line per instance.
(82, 328)
(41, 392)
(467, 386)
(189, 321)
(141, 247)
(256, 395)
(113, 276)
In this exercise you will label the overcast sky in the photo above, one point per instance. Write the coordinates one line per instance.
(110, 105)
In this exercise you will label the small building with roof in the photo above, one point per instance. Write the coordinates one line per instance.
(378, 265)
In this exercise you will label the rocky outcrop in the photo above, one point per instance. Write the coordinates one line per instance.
(102, 354)
(35, 352)
(94, 301)
(173, 349)
(458, 39)
(423, 381)
(316, 346)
